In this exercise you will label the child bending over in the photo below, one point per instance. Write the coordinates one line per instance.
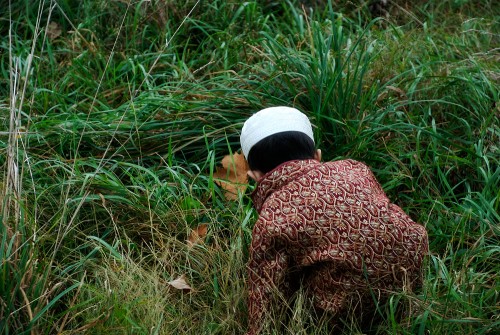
(326, 226)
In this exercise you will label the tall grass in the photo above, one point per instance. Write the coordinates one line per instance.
(114, 116)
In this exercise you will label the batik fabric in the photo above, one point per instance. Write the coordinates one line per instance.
(330, 228)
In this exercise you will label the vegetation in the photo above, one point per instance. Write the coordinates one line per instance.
(115, 114)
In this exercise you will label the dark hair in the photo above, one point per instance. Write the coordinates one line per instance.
(278, 148)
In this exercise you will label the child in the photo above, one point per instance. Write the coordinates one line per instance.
(326, 226)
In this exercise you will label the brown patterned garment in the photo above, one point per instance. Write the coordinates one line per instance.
(330, 226)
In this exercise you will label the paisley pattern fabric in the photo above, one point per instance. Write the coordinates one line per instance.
(331, 228)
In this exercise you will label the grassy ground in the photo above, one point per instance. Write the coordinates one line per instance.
(115, 114)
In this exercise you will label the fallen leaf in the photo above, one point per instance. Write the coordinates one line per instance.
(180, 283)
(400, 92)
(197, 235)
(232, 175)
(53, 30)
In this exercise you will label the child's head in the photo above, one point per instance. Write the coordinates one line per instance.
(276, 135)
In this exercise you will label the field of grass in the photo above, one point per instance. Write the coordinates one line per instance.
(115, 114)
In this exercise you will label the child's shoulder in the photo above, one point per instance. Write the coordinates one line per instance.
(347, 164)
(349, 169)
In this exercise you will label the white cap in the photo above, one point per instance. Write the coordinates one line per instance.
(271, 121)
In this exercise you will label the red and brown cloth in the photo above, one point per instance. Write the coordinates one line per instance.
(331, 227)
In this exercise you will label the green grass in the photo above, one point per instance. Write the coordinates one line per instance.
(111, 128)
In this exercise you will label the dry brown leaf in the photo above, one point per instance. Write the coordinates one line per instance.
(400, 92)
(53, 30)
(197, 235)
(232, 175)
(180, 283)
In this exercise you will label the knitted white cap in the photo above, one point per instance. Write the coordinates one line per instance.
(271, 121)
